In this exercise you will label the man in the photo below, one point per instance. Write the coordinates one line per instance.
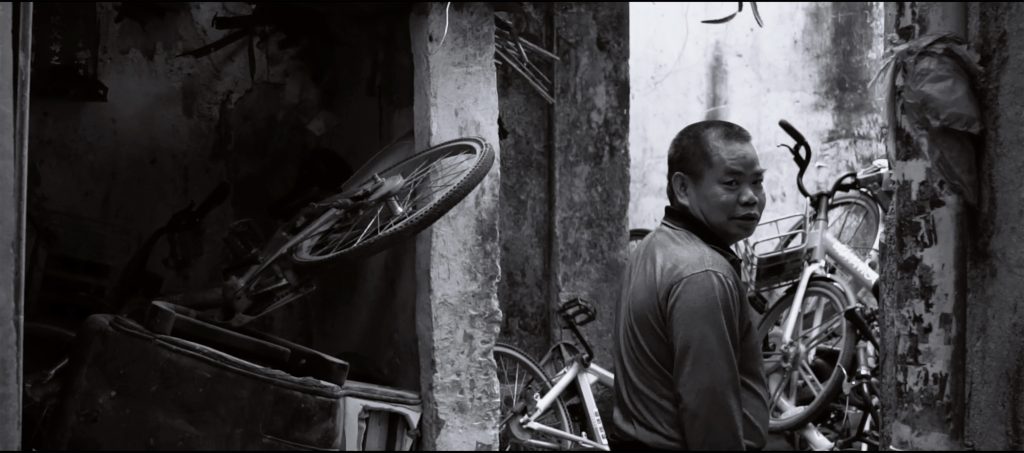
(687, 358)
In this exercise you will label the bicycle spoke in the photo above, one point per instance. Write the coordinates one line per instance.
(777, 393)
(427, 170)
(845, 216)
(334, 243)
(515, 389)
(794, 385)
(446, 177)
(442, 182)
(813, 341)
(409, 203)
(375, 219)
(334, 240)
(811, 379)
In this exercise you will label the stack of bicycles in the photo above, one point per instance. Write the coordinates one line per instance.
(821, 333)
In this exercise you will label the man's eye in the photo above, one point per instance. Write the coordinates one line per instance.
(730, 183)
(758, 182)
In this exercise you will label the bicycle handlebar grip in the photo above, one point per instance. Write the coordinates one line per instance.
(792, 131)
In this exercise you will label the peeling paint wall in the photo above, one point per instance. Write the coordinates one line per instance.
(924, 265)
(810, 64)
(995, 346)
(321, 101)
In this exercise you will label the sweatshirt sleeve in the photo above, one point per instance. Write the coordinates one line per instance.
(703, 318)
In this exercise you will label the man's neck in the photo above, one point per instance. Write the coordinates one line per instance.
(681, 217)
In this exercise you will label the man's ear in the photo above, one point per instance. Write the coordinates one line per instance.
(682, 188)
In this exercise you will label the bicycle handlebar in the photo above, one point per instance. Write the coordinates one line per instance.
(803, 160)
(792, 132)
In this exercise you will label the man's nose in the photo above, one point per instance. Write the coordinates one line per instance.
(748, 197)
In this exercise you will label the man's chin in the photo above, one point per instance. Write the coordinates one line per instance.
(739, 232)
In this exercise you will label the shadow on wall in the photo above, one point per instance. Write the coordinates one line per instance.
(291, 115)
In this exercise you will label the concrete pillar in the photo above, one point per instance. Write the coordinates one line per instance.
(591, 159)
(10, 219)
(457, 314)
(924, 274)
(526, 200)
(995, 346)
(14, 107)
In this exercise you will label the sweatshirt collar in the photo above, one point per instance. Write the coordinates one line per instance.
(683, 219)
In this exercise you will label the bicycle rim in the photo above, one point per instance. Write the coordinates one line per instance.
(520, 379)
(811, 382)
(435, 180)
(854, 219)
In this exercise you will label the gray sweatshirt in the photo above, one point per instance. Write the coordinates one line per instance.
(688, 367)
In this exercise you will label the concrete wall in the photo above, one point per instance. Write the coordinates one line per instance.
(995, 361)
(591, 160)
(810, 64)
(564, 174)
(526, 199)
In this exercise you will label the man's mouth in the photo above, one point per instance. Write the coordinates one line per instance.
(748, 217)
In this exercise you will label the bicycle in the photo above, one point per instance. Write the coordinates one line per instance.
(372, 211)
(811, 332)
(535, 410)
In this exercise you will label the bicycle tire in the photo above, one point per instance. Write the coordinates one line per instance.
(870, 215)
(314, 250)
(556, 416)
(844, 349)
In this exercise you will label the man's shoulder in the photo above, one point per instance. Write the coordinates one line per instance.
(687, 254)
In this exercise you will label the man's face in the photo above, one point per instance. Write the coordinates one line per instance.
(729, 198)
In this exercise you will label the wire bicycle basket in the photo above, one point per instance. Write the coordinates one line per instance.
(776, 259)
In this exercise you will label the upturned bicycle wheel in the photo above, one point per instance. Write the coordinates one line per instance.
(521, 383)
(417, 192)
(806, 377)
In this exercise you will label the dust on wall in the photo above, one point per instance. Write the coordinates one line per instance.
(683, 71)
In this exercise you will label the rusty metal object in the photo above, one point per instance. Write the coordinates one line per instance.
(510, 49)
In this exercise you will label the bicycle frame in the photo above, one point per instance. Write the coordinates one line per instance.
(819, 245)
(583, 376)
